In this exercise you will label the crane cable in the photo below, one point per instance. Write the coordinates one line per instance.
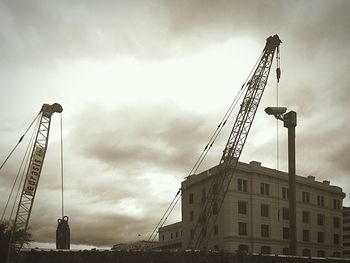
(160, 224)
(207, 147)
(24, 160)
(62, 199)
(278, 74)
(223, 120)
(19, 141)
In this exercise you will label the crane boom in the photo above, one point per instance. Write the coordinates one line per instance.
(233, 149)
(32, 176)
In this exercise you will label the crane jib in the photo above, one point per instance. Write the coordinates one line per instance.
(34, 171)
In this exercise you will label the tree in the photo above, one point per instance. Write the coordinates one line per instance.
(5, 233)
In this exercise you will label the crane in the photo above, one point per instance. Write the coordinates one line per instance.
(30, 185)
(220, 183)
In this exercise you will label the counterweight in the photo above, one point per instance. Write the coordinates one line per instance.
(220, 183)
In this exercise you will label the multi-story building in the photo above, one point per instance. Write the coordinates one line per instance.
(254, 216)
(346, 232)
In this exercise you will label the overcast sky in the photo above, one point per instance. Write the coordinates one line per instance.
(144, 84)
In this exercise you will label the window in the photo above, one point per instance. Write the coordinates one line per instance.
(346, 220)
(242, 185)
(192, 234)
(191, 215)
(215, 189)
(215, 209)
(171, 235)
(243, 248)
(285, 213)
(264, 210)
(306, 197)
(347, 228)
(306, 235)
(204, 231)
(216, 230)
(320, 220)
(285, 251)
(286, 233)
(306, 217)
(176, 234)
(306, 252)
(336, 254)
(162, 237)
(320, 200)
(321, 253)
(346, 236)
(285, 193)
(336, 204)
(204, 195)
(242, 207)
(264, 189)
(265, 250)
(320, 237)
(336, 222)
(336, 239)
(242, 228)
(265, 231)
(191, 198)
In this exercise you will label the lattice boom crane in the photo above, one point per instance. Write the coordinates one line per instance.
(32, 176)
(229, 160)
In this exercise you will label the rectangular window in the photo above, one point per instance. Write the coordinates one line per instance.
(285, 193)
(320, 200)
(336, 239)
(204, 195)
(215, 189)
(216, 230)
(321, 253)
(242, 228)
(192, 234)
(306, 217)
(191, 216)
(242, 207)
(336, 204)
(191, 198)
(320, 220)
(336, 222)
(286, 233)
(264, 189)
(320, 237)
(306, 235)
(285, 213)
(306, 197)
(265, 231)
(242, 185)
(264, 210)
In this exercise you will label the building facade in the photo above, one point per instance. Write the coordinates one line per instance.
(346, 232)
(255, 217)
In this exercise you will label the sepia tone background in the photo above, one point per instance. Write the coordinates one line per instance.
(144, 84)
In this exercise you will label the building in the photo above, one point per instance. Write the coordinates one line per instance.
(255, 215)
(346, 232)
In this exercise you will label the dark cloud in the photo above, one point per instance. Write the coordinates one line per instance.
(161, 137)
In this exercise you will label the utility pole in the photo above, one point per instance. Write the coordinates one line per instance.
(290, 122)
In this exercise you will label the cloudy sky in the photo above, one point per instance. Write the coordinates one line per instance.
(144, 84)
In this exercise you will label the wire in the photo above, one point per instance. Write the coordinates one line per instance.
(62, 164)
(160, 221)
(26, 158)
(19, 141)
(209, 144)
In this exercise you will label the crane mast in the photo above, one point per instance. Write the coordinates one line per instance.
(233, 149)
(32, 176)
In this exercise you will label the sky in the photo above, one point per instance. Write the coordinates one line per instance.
(144, 84)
